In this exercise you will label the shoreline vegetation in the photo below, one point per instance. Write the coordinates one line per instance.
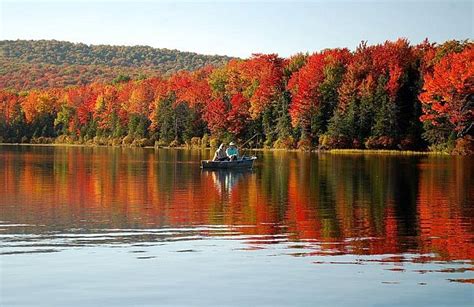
(390, 97)
(190, 147)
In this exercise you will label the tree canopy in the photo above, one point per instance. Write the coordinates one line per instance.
(385, 96)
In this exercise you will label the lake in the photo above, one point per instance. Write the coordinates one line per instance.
(94, 226)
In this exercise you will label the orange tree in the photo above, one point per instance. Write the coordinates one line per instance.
(447, 97)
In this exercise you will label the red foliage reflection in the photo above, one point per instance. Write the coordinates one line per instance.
(356, 205)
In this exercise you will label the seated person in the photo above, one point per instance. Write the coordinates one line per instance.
(220, 154)
(232, 152)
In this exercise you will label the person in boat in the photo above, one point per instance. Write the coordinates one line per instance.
(232, 152)
(220, 154)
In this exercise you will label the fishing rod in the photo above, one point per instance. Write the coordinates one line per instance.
(242, 146)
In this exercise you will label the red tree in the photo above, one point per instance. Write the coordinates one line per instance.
(239, 115)
(448, 90)
(10, 108)
(191, 88)
(215, 114)
(305, 84)
(264, 74)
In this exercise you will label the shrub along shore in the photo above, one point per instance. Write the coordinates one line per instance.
(116, 143)
(391, 96)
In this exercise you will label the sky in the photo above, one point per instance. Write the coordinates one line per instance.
(238, 28)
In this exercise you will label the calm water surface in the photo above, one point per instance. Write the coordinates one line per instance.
(112, 226)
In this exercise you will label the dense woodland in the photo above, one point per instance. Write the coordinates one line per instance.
(386, 96)
(27, 64)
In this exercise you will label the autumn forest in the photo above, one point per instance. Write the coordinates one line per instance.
(393, 95)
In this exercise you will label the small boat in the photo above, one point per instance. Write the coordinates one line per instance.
(243, 163)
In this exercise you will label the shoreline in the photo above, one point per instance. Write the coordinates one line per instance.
(317, 151)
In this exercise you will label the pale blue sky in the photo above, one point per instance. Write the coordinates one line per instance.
(237, 28)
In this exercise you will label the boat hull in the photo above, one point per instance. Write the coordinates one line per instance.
(238, 164)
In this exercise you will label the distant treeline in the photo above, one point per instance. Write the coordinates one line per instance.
(27, 64)
(386, 96)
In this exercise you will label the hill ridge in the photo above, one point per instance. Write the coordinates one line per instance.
(68, 63)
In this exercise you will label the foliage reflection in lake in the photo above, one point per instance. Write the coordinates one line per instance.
(401, 214)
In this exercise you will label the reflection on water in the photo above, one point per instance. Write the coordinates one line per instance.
(225, 180)
(399, 213)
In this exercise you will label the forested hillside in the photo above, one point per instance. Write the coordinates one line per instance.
(386, 96)
(27, 64)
